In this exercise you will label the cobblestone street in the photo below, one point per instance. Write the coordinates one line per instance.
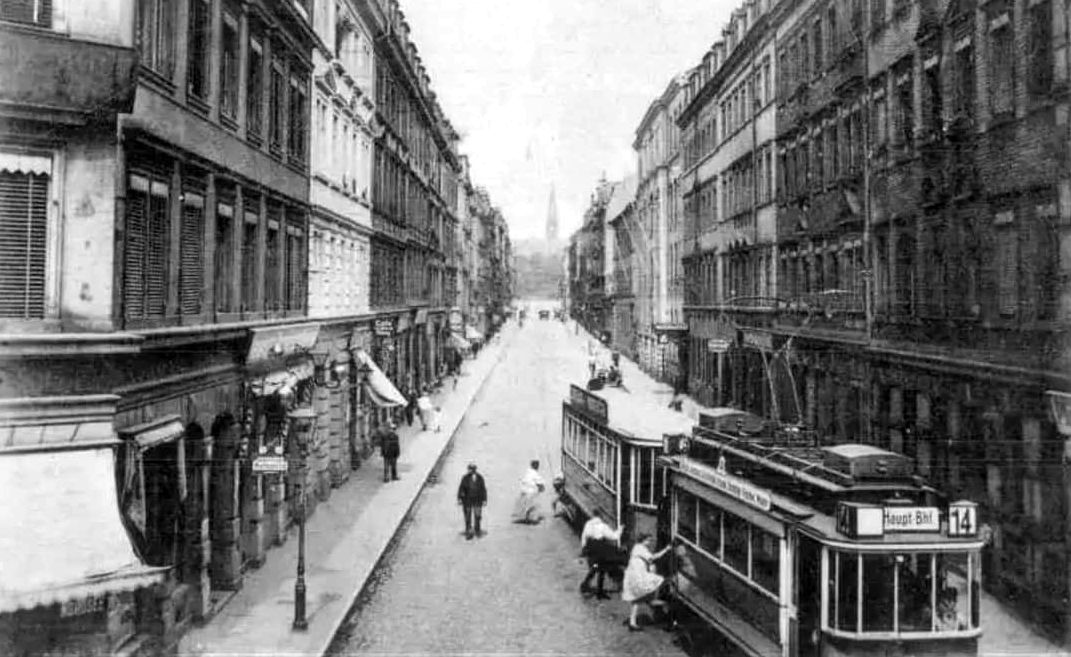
(513, 591)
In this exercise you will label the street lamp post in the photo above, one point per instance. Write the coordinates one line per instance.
(303, 423)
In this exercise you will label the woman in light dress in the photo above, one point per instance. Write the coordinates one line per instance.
(641, 584)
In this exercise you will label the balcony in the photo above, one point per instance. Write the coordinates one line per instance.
(73, 82)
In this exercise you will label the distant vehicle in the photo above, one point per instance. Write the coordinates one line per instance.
(544, 314)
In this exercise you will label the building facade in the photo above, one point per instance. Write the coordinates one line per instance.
(623, 293)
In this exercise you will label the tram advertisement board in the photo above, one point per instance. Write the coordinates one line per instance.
(729, 485)
(590, 404)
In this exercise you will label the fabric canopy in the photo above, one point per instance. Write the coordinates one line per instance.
(64, 539)
(458, 342)
(472, 334)
(379, 387)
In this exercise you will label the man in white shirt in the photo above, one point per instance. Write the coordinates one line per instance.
(600, 544)
(532, 484)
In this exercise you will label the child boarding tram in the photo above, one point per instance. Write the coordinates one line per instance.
(789, 549)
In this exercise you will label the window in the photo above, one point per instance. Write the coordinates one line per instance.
(200, 34)
(687, 513)
(147, 247)
(224, 256)
(832, 38)
(1039, 63)
(298, 129)
(273, 265)
(877, 14)
(32, 12)
(191, 253)
(250, 228)
(255, 88)
(845, 593)
(878, 132)
(931, 89)
(805, 59)
(24, 200)
(736, 538)
(710, 529)
(229, 74)
(295, 263)
(156, 35)
(276, 105)
(817, 35)
(905, 108)
(1001, 67)
(1007, 263)
(766, 559)
(964, 99)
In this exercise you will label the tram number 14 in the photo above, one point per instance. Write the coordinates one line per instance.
(962, 520)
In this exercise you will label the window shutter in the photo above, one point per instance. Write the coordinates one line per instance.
(1008, 272)
(135, 247)
(23, 228)
(157, 251)
(191, 255)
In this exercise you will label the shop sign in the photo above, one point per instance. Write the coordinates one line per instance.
(421, 317)
(729, 485)
(83, 606)
(403, 322)
(761, 341)
(717, 346)
(269, 464)
(723, 328)
(589, 404)
(384, 328)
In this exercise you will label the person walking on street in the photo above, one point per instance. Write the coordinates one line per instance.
(410, 407)
(526, 510)
(600, 545)
(472, 496)
(425, 409)
(391, 449)
(615, 358)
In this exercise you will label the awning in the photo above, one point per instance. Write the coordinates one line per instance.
(379, 387)
(458, 342)
(288, 377)
(65, 540)
(472, 334)
(148, 436)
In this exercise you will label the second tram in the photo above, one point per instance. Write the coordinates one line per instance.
(791, 549)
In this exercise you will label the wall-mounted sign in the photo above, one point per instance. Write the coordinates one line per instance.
(717, 346)
(592, 405)
(383, 328)
(729, 485)
(763, 341)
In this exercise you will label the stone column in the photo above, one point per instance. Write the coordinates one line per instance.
(320, 456)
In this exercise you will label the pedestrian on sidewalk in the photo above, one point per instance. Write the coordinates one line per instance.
(411, 405)
(425, 409)
(600, 545)
(472, 496)
(526, 509)
(615, 358)
(391, 449)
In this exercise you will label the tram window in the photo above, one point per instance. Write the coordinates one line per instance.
(879, 581)
(589, 449)
(736, 531)
(916, 590)
(953, 592)
(766, 560)
(847, 588)
(686, 515)
(645, 475)
(710, 529)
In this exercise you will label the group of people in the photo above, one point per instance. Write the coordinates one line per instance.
(641, 584)
(421, 407)
(472, 496)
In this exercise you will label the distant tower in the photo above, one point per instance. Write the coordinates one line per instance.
(552, 219)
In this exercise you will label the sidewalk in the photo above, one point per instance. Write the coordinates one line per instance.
(345, 538)
(1004, 633)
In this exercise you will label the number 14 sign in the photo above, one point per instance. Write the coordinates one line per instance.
(963, 519)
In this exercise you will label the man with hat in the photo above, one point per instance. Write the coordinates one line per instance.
(472, 496)
(390, 447)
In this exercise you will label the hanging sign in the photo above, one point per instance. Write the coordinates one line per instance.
(269, 464)
(717, 346)
(384, 328)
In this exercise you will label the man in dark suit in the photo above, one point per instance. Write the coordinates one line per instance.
(472, 496)
(391, 449)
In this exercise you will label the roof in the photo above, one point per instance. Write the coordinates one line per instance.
(640, 418)
(624, 194)
(855, 450)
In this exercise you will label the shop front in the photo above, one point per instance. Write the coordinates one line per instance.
(73, 582)
(671, 354)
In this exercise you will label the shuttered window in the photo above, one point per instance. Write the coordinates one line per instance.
(146, 259)
(32, 12)
(225, 235)
(295, 267)
(249, 260)
(273, 259)
(1007, 264)
(23, 243)
(191, 254)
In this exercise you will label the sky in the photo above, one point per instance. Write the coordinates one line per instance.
(551, 91)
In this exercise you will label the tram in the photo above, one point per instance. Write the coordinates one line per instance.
(790, 549)
(611, 442)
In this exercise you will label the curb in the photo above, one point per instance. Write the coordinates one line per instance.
(434, 469)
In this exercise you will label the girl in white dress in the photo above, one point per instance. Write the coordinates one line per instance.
(641, 583)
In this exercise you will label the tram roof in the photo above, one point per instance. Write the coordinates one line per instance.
(640, 419)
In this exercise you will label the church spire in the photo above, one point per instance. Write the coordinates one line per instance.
(552, 219)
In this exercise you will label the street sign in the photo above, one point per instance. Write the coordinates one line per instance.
(269, 464)
(717, 346)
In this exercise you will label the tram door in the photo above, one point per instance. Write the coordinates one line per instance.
(808, 596)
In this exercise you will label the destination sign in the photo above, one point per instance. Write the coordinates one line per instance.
(729, 485)
(588, 403)
(912, 519)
